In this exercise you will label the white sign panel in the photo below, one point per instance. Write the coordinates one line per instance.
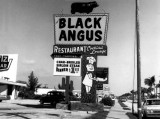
(8, 66)
(90, 29)
(106, 87)
(67, 66)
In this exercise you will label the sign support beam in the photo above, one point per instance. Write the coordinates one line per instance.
(67, 89)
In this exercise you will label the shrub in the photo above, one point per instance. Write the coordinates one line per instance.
(74, 98)
(107, 101)
(26, 95)
(37, 96)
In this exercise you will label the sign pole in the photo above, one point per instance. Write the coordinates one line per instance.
(138, 61)
(67, 89)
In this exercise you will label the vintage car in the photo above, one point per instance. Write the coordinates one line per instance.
(52, 97)
(151, 108)
(123, 99)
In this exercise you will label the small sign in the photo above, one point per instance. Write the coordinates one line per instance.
(67, 66)
(80, 49)
(89, 29)
(99, 86)
(102, 75)
(106, 87)
(5, 62)
(8, 66)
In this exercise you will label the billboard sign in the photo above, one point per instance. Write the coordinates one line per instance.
(67, 66)
(8, 66)
(86, 29)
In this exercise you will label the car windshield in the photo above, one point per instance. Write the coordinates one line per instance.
(153, 102)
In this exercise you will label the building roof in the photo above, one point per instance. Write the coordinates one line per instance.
(2, 81)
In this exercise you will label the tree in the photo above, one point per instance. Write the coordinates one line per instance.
(33, 83)
(143, 91)
(151, 83)
(158, 86)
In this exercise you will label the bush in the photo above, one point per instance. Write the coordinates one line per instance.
(107, 101)
(26, 95)
(74, 98)
(37, 96)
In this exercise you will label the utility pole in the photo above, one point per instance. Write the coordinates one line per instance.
(138, 61)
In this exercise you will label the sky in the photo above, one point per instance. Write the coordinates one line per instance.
(27, 29)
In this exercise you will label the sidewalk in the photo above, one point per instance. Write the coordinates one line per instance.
(118, 112)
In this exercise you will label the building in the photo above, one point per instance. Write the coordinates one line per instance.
(8, 71)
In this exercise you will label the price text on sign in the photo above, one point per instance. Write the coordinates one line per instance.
(67, 66)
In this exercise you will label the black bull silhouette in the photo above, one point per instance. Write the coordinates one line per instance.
(83, 7)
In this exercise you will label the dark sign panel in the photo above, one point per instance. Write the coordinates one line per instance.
(102, 77)
(99, 86)
(80, 49)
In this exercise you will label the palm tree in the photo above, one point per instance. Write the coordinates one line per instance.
(143, 91)
(158, 86)
(151, 83)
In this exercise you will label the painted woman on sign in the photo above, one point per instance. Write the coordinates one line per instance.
(88, 79)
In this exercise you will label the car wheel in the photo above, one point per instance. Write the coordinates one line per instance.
(0, 100)
(41, 102)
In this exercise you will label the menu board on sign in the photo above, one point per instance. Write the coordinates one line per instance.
(67, 66)
(90, 29)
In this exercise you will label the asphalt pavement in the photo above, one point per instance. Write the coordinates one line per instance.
(31, 109)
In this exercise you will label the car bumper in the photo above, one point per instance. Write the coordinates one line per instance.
(153, 115)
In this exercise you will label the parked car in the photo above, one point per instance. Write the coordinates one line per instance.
(151, 108)
(3, 97)
(123, 99)
(53, 97)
